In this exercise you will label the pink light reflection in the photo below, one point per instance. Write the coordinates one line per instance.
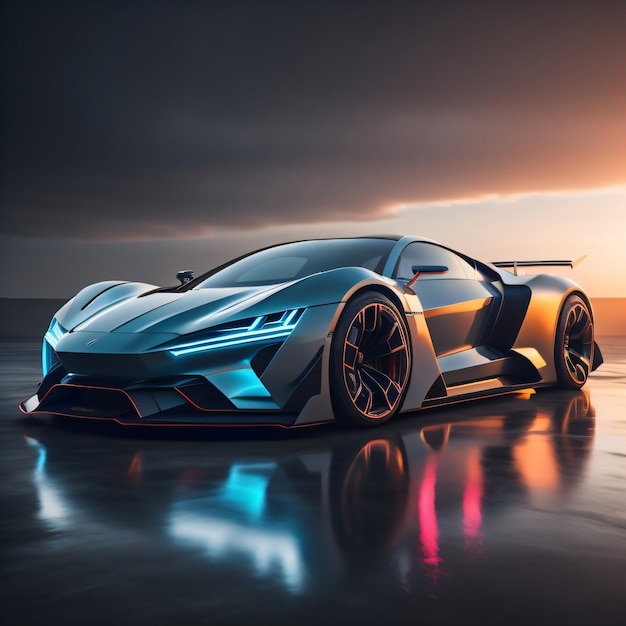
(429, 529)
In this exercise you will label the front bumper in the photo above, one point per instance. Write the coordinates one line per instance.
(186, 401)
(138, 378)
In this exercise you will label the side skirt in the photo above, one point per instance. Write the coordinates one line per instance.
(476, 391)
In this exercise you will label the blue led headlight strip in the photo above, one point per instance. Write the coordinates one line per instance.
(51, 338)
(55, 332)
(260, 329)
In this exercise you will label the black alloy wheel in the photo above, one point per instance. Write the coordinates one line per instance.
(573, 348)
(370, 361)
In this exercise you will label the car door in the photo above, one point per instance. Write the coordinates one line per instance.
(456, 303)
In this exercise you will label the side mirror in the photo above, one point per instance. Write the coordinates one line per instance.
(426, 269)
(184, 276)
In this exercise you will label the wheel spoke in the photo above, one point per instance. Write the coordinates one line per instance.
(372, 324)
(578, 323)
(350, 356)
(369, 318)
(364, 397)
(577, 364)
(375, 360)
(388, 344)
(577, 343)
(382, 386)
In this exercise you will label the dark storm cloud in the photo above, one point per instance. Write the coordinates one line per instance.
(129, 120)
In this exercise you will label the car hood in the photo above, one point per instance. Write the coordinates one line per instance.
(139, 308)
(159, 312)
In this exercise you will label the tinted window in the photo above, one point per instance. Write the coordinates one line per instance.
(422, 253)
(296, 260)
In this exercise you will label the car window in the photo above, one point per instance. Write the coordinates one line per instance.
(299, 259)
(424, 253)
(279, 270)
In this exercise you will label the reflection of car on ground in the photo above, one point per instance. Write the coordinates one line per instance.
(406, 498)
(350, 329)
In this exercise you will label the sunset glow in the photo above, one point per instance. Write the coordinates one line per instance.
(503, 140)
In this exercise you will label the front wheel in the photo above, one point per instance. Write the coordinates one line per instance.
(573, 347)
(370, 361)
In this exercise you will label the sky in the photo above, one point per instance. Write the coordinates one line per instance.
(140, 138)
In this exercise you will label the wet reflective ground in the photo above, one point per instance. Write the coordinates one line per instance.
(494, 512)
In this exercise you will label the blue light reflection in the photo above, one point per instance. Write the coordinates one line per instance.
(52, 508)
(246, 487)
(233, 522)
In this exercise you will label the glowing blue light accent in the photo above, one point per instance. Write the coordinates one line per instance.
(258, 330)
(288, 316)
(46, 358)
(55, 332)
(50, 340)
(258, 322)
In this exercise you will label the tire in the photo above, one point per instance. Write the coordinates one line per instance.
(573, 345)
(370, 361)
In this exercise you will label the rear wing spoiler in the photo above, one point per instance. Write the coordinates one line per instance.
(554, 263)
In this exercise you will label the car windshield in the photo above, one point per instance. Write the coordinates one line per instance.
(292, 261)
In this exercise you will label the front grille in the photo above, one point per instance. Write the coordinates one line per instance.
(127, 366)
(190, 400)
(79, 401)
(82, 396)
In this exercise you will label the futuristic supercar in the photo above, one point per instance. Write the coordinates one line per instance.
(354, 329)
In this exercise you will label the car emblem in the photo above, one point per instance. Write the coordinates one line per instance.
(89, 343)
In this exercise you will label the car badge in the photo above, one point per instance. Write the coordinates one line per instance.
(91, 342)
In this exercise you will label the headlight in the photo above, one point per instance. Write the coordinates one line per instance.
(256, 329)
(55, 332)
(51, 338)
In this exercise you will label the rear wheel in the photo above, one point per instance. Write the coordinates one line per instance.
(369, 361)
(573, 348)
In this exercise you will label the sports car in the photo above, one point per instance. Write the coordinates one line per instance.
(349, 329)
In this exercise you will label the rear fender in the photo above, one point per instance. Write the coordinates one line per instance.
(548, 294)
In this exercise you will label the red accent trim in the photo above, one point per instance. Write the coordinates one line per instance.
(234, 411)
(144, 424)
(201, 408)
(412, 281)
(164, 424)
